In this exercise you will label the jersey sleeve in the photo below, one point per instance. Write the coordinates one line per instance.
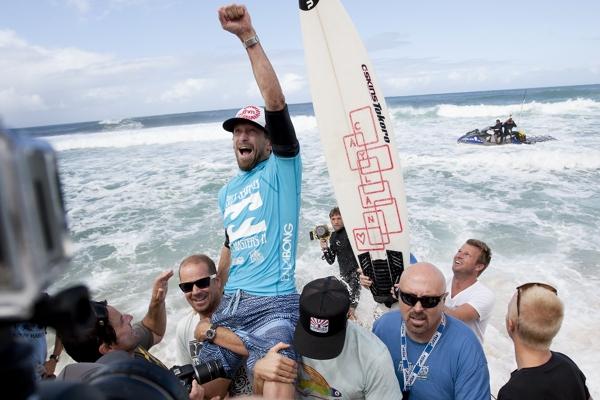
(282, 133)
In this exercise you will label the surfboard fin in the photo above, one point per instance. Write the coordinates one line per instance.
(384, 273)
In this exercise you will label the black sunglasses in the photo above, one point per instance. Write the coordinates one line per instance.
(104, 330)
(526, 286)
(426, 301)
(201, 283)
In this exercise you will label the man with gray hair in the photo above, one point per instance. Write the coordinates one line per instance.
(436, 356)
(533, 319)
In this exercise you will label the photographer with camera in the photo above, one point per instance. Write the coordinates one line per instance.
(114, 339)
(34, 243)
(338, 245)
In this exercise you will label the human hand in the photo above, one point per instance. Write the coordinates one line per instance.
(365, 281)
(274, 367)
(49, 368)
(324, 243)
(161, 285)
(197, 392)
(236, 19)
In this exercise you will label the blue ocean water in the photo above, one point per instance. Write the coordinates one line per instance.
(141, 195)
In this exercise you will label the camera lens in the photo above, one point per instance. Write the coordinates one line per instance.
(207, 371)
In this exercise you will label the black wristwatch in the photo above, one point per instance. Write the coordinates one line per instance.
(54, 357)
(211, 333)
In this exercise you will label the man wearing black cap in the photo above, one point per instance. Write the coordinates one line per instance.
(340, 359)
(260, 208)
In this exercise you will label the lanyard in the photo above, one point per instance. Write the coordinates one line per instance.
(411, 376)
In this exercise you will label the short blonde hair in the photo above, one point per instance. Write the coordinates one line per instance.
(540, 317)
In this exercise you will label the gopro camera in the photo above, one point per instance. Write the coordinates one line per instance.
(34, 239)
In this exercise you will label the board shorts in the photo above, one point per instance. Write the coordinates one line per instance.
(260, 322)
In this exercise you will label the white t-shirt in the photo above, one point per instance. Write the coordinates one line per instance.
(478, 296)
(188, 347)
(363, 370)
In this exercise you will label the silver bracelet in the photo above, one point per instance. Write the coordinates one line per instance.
(251, 41)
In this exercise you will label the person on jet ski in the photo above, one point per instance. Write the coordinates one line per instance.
(508, 125)
(497, 129)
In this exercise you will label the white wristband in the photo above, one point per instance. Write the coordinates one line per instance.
(251, 41)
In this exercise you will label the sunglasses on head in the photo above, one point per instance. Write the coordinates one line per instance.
(201, 283)
(526, 286)
(426, 301)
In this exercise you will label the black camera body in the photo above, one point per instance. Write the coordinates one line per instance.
(202, 373)
(320, 232)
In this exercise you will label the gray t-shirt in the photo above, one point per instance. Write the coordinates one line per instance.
(363, 370)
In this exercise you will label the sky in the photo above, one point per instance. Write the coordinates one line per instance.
(67, 61)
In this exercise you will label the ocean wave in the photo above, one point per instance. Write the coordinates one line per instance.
(577, 106)
(139, 137)
(120, 124)
(135, 136)
(525, 159)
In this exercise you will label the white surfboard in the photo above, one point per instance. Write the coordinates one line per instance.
(358, 141)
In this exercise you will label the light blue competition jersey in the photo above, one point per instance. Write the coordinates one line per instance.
(260, 214)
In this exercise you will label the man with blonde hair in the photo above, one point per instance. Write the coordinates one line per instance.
(469, 299)
(533, 319)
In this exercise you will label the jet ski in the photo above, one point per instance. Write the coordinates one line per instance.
(487, 137)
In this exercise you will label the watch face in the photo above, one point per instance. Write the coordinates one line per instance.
(210, 334)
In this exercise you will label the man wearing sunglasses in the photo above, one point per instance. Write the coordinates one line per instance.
(260, 208)
(202, 289)
(436, 356)
(533, 319)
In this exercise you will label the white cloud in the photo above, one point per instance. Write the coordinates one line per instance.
(51, 84)
(11, 101)
(185, 90)
(105, 93)
(292, 83)
(9, 38)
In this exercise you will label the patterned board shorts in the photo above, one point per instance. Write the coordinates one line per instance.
(260, 321)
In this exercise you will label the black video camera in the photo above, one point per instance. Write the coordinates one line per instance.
(320, 232)
(202, 373)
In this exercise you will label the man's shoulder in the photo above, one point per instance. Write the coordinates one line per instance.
(389, 319)
(482, 287)
(460, 334)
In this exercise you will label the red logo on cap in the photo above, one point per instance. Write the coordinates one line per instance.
(319, 325)
(249, 112)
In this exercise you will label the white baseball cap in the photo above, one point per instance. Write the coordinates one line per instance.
(254, 115)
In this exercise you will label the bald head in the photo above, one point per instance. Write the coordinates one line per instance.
(419, 281)
(427, 277)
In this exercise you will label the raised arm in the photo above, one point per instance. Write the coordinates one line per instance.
(156, 317)
(236, 19)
